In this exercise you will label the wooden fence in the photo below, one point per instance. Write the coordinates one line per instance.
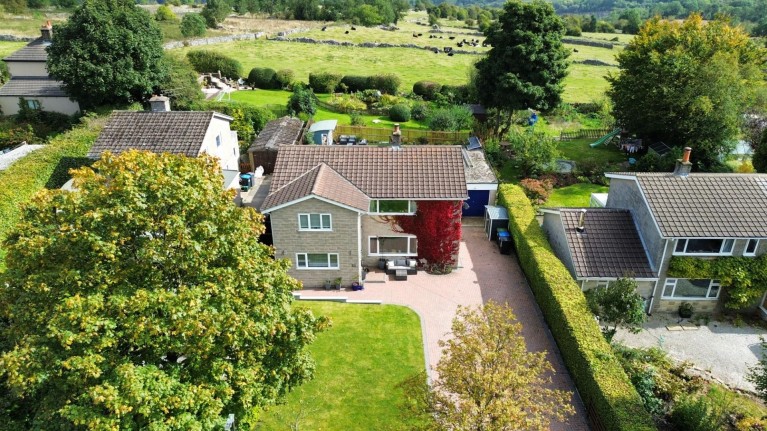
(409, 136)
(583, 134)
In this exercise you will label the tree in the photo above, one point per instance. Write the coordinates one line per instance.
(109, 51)
(534, 153)
(526, 64)
(488, 380)
(758, 373)
(193, 25)
(165, 13)
(759, 158)
(687, 84)
(146, 302)
(619, 304)
(215, 12)
(302, 101)
(181, 84)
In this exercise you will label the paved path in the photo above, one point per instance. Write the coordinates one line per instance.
(484, 275)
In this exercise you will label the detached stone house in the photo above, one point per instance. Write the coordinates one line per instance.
(326, 204)
(650, 218)
(30, 80)
(188, 133)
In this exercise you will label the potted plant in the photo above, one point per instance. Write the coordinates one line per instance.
(685, 310)
(337, 283)
(328, 284)
(357, 285)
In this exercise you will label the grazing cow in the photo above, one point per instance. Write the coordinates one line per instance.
(440, 37)
(460, 44)
(451, 37)
(354, 28)
(420, 34)
(346, 32)
(324, 28)
(450, 54)
(575, 50)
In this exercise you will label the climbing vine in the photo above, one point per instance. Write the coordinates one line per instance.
(437, 226)
(744, 277)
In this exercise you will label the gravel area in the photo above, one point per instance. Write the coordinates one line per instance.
(718, 350)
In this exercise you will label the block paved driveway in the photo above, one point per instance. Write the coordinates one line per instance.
(483, 274)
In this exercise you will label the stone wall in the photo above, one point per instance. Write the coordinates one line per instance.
(371, 44)
(13, 38)
(213, 40)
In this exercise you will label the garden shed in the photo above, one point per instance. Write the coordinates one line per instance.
(495, 217)
(276, 133)
(481, 183)
(322, 132)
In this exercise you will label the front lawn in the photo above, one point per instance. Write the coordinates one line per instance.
(576, 195)
(360, 360)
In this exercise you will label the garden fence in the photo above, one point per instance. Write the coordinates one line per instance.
(409, 136)
(583, 134)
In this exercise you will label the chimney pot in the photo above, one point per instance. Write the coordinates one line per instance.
(46, 32)
(582, 221)
(396, 137)
(686, 154)
(683, 165)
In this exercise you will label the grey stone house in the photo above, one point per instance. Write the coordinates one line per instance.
(327, 204)
(672, 214)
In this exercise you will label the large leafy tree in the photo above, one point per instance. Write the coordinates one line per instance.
(144, 300)
(109, 51)
(618, 304)
(687, 83)
(527, 62)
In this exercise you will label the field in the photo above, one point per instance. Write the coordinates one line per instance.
(8, 47)
(360, 360)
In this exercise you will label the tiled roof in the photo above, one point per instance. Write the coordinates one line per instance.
(176, 132)
(33, 87)
(703, 205)
(282, 131)
(321, 181)
(608, 247)
(412, 172)
(33, 51)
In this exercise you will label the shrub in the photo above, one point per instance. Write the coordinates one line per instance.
(355, 83)
(356, 119)
(262, 77)
(346, 103)
(427, 89)
(450, 118)
(694, 414)
(419, 111)
(324, 83)
(284, 78)
(302, 100)
(533, 153)
(400, 112)
(206, 61)
(387, 83)
(600, 379)
(193, 25)
(537, 191)
(164, 13)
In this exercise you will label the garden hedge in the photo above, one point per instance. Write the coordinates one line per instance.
(206, 61)
(601, 381)
(47, 167)
(427, 89)
(323, 83)
(263, 78)
(355, 83)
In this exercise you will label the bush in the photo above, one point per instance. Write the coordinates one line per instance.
(356, 119)
(600, 379)
(164, 13)
(400, 112)
(355, 83)
(302, 100)
(284, 78)
(427, 89)
(455, 94)
(324, 83)
(346, 103)
(206, 61)
(450, 118)
(694, 414)
(193, 25)
(248, 119)
(537, 191)
(387, 84)
(263, 78)
(533, 153)
(419, 111)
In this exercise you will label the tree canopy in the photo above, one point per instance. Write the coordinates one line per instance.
(619, 304)
(687, 84)
(109, 51)
(144, 300)
(527, 63)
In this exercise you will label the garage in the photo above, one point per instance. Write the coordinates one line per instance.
(475, 205)
(481, 183)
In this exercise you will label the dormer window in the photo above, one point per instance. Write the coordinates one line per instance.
(704, 246)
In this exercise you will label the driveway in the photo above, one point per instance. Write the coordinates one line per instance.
(717, 350)
(483, 274)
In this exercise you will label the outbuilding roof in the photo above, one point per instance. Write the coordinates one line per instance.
(33, 87)
(323, 125)
(703, 205)
(176, 132)
(33, 51)
(282, 131)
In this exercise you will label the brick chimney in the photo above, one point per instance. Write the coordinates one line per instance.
(683, 165)
(582, 222)
(396, 137)
(159, 104)
(46, 32)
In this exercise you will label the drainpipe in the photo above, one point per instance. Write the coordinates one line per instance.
(655, 289)
(359, 247)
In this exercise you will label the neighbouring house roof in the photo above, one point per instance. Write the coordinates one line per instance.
(609, 246)
(282, 131)
(33, 87)
(412, 172)
(33, 51)
(176, 132)
(478, 171)
(703, 205)
(323, 125)
(322, 181)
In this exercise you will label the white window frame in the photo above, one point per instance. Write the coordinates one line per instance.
(320, 268)
(756, 247)
(33, 104)
(378, 245)
(374, 206)
(602, 284)
(722, 249)
(309, 227)
(672, 282)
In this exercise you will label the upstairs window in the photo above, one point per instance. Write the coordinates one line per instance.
(392, 207)
(751, 247)
(707, 246)
(33, 104)
(314, 221)
(218, 140)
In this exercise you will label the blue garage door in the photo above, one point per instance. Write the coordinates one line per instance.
(476, 202)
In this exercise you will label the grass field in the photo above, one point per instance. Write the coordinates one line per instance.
(576, 195)
(360, 360)
(8, 47)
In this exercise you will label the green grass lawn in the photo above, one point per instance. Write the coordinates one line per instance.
(6, 48)
(576, 195)
(360, 360)
(580, 151)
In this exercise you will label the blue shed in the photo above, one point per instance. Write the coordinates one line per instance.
(322, 132)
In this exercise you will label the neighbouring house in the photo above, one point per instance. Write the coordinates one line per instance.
(30, 80)
(275, 134)
(188, 133)
(321, 132)
(327, 204)
(481, 182)
(679, 214)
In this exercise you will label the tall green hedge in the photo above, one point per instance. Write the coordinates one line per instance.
(45, 168)
(600, 379)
